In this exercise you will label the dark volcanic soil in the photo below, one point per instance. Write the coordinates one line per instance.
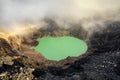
(102, 61)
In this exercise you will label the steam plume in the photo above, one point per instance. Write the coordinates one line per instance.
(91, 14)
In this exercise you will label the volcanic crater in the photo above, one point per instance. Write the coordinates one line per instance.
(19, 61)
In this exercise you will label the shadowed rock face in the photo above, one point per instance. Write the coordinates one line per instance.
(6, 49)
(4, 44)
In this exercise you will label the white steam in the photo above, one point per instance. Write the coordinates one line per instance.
(87, 12)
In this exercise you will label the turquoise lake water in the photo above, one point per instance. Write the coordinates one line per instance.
(58, 48)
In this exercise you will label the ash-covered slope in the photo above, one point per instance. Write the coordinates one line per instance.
(108, 39)
(105, 66)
